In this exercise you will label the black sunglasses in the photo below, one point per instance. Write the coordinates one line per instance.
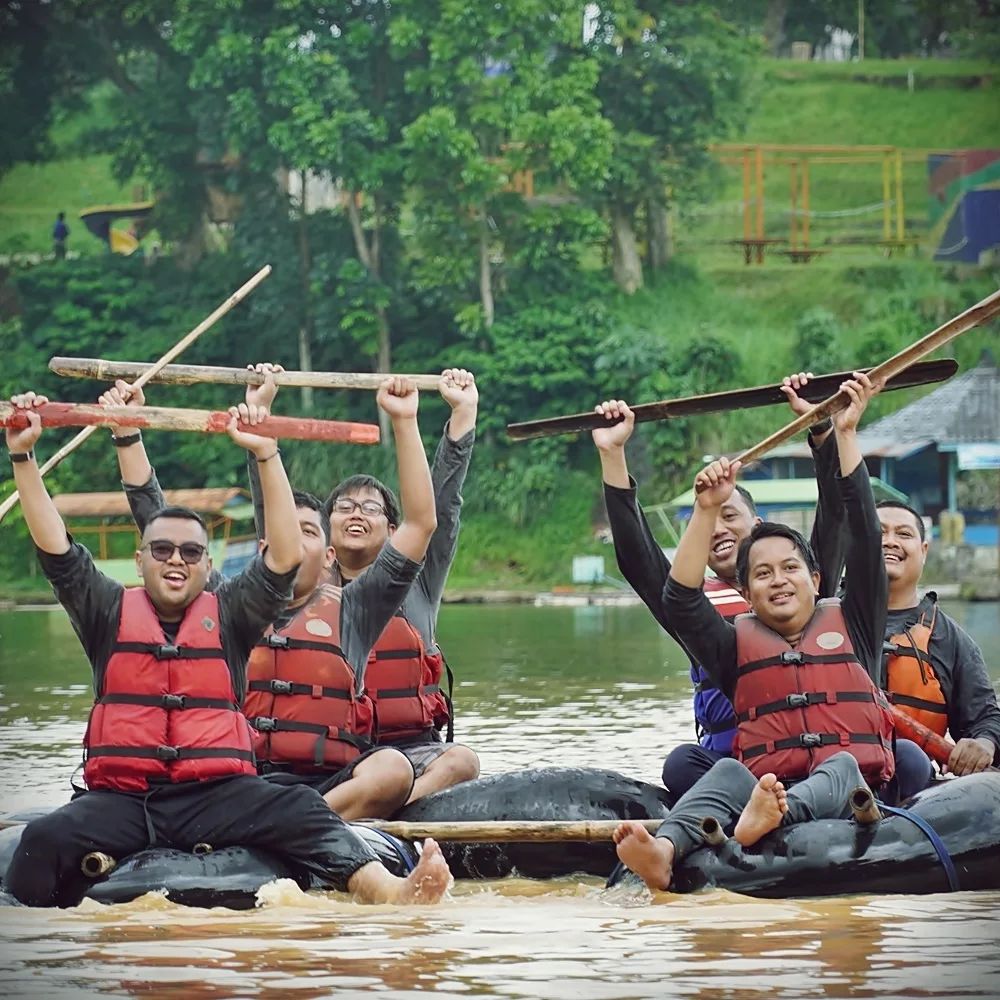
(161, 550)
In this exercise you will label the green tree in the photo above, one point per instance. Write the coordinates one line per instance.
(673, 78)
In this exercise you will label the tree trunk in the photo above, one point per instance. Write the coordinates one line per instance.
(306, 328)
(485, 271)
(774, 25)
(661, 247)
(625, 262)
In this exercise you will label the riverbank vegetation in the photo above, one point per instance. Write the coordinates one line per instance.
(608, 276)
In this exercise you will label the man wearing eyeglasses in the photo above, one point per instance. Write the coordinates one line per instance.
(169, 755)
(307, 697)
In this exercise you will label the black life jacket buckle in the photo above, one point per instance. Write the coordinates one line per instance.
(281, 687)
(264, 724)
(888, 648)
(811, 740)
(173, 701)
(167, 651)
(168, 753)
(275, 641)
(793, 656)
(797, 701)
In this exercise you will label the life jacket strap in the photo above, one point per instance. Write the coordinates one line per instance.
(396, 692)
(396, 654)
(168, 753)
(169, 701)
(277, 641)
(277, 686)
(265, 724)
(169, 651)
(924, 706)
(804, 700)
(812, 741)
(796, 658)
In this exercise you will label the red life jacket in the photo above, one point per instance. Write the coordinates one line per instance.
(404, 682)
(166, 712)
(798, 706)
(725, 599)
(304, 700)
(912, 684)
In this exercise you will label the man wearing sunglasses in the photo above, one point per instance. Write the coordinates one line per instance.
(169, 754)
(324, 639)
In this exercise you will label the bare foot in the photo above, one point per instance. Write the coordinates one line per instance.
(762, 814)
(651, 858)
(429, 881)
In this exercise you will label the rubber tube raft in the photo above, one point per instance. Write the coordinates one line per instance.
(826, 857)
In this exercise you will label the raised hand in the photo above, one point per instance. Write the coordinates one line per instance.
(398, 398)
(860, 390)
(263, 448)
(790, 386)
(714, 485)
(122, 393)
(458, 388)
(613, 435)
(263, 395)
(23, 439)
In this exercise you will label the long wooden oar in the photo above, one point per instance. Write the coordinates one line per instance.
(189, 338)
(205, 421)
(108, 371)
(819, 388)
(955, 327)
(512, 831)
(936, 747)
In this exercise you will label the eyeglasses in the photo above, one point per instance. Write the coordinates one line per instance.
(162, 550)
(345, 505)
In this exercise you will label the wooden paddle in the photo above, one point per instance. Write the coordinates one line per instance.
(955, 327)
(108, 371)
(507, 831)
(819, 388)
(204, 421)
(189, 338)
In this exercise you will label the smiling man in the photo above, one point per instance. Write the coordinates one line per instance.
(811, 724)
(169, 757)
(931, 669)
(643, 564)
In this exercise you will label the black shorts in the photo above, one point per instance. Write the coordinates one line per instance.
(322, 782)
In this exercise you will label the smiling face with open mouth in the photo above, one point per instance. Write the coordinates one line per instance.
(362, 531)
(780, 587)
(173, 584)
(734, 523)
(903, 550)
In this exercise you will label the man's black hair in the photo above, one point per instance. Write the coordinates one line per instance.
(771, 529)
(905, 506)
(354, 483)
(747, 499)
(179, 513)
(309, 501)
(61, 216)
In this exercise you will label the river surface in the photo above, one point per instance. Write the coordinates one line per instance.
(598, 686)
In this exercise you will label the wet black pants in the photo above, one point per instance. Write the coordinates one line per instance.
(723, 792)
(243, 811)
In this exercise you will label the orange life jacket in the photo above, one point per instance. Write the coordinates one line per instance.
(912, 684)
(303, 700)
(166, 712)
(404, 682)
(798, 706)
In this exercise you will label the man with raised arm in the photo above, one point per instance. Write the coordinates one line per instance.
(932, 669)
(811, 724)
(406, 667)
(169, 758)
(646, 568)
(315, 723)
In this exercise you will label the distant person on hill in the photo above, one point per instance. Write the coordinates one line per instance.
(59, 233)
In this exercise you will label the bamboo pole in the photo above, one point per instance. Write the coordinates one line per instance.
(955, 327)
(108, 371)
(817, 390)
(189, 338)
(507, 831)
(201, 421)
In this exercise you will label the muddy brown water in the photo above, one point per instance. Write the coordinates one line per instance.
(591, 686)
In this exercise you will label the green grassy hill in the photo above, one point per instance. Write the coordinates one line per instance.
(870, 304)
